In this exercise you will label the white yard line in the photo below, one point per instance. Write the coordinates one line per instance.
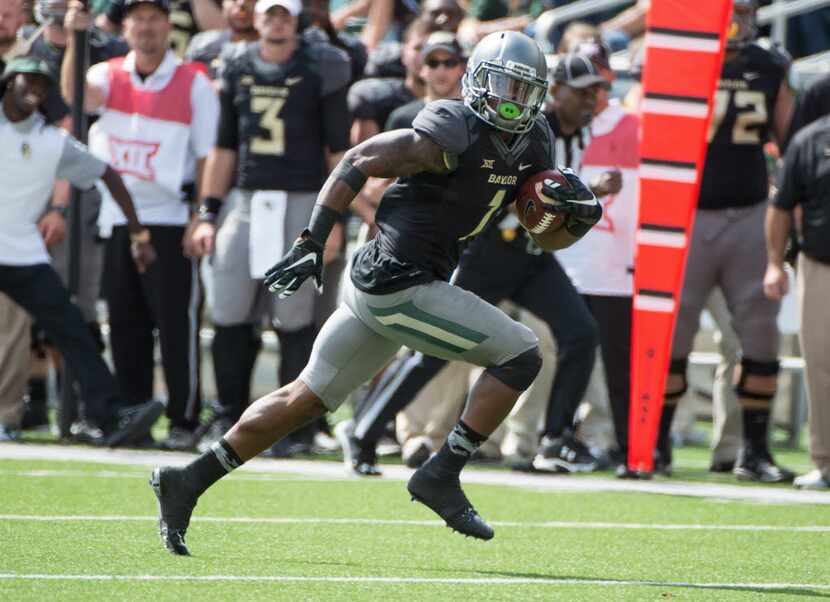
(417, 580)
(292, 520)
(335, 471)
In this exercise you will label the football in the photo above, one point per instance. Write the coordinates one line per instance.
(534, 211)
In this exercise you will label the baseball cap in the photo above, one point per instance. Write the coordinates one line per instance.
(577, 71)
(27, 64)
(596, 50)
(441, 40)
(294, 7)
(162, 5)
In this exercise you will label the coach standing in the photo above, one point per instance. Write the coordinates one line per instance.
(157, 119)
(805, 181)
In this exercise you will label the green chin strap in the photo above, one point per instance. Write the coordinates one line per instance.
(509, 110)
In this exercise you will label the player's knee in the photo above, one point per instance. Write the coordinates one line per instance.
(519, 372)
(756, 381)
(676, 383)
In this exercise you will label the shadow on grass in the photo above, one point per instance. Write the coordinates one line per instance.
(759, 589)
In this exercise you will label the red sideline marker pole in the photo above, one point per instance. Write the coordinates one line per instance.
(684, 46)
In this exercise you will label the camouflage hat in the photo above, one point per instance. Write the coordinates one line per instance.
(27, 64)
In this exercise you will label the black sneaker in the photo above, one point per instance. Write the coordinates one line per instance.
(179, 439)
(722, 466)
(356, 458)
(759, 466)
(35, 415)
(445, 497)
(132, 424)
(214, 433)
(564, 454)
(176, 505)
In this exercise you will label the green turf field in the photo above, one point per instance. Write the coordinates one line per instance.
(73, 530)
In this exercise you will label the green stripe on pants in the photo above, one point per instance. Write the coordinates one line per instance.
(449, 335)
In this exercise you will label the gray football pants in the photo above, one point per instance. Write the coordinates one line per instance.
(729, 251)
(240, 299)
(437, 319)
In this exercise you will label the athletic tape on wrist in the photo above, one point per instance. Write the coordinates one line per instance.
(322, 221)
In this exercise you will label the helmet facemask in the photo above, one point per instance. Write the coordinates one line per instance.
(742, 27)
(507, 96)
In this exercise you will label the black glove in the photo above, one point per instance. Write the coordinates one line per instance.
(576, 201)
(303, 260)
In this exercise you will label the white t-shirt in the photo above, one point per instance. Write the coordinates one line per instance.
(32, 156)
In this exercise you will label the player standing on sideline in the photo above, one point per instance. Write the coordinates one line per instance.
(400, 295)
(728, 247)
(283, 108)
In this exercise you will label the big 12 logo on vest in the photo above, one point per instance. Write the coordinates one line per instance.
(133, 157)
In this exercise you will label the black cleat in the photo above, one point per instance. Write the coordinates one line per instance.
(445, 498)
(759, 466)
(361, 460)
(176, 505)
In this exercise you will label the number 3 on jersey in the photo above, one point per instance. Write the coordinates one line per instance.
(269, 107)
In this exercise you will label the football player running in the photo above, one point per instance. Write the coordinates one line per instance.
(728, 249)
(456, 167)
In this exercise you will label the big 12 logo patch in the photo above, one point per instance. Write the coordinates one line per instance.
(133, 157)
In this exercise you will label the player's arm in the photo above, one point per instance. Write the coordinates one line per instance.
(216, 175)
(78, 18)
(387, 155)
(791, 191)
(783, 113)
(208, 15)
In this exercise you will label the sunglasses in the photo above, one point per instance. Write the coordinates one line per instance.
(448, 63)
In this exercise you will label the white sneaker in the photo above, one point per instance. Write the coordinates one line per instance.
(814, 480)
(344, 433)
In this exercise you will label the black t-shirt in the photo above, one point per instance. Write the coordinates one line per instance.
(376, 98)
(102, 47)
(805, 181)
(402, 117)
(814, 104)
(735, 173)
(281, 118)
(425, 220)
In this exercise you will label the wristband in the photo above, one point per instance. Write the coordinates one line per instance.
(351, 175)
(209, 209)
(62, 211)
(322, 221)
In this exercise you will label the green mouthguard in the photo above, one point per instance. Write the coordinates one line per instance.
(509, 110)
